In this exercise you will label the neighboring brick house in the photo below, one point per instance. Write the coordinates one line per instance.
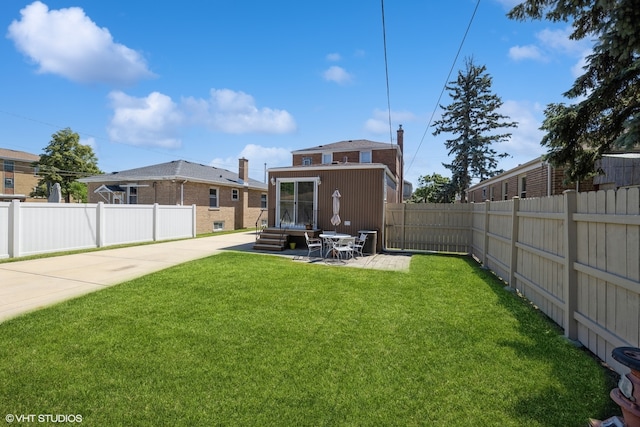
(536, 178)
(18, 176)
(224, 200)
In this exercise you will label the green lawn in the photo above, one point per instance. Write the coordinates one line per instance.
(254, 340)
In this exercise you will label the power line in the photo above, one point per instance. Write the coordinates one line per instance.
(386, 70)
(445, 84)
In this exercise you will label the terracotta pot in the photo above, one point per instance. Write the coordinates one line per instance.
(627, 394)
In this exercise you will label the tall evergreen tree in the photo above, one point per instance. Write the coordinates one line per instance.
(64, 161)
(473, 117)
(607, 116)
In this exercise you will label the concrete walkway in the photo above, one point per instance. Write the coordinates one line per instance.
(29, 285)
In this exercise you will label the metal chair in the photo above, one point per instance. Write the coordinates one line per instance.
(358, 246)
(314, 244)
(344, 246)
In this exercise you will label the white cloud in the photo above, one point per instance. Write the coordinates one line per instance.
(235, 112)
(152, 121)
(524, 144)
(68, 43)
(518, 53)
(333, 57)
(379, 123)
(337, 74)
(509, 4)
(257, 156)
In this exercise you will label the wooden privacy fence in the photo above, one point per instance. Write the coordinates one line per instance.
(575, 256)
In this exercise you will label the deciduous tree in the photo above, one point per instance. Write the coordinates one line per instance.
(64, 161)
(433, 189)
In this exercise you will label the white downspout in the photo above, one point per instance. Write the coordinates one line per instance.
(182, 192)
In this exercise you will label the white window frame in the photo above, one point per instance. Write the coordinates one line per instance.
(217, 198)
(218, 226)
(505, 190)
(522, 186)
(235, 194)
(132, 195)
(366, 156)
(263, 201)
(327, 158)
(306, 161)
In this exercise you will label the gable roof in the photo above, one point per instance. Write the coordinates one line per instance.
(177, 170)
(21, 156)
(350, 145)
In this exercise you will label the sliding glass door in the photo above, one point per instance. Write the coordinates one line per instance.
(296, 202)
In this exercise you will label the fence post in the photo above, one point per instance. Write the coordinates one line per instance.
(485, 242)
(403, 226)
(14, 229)
(194, 229)
(100, 220)
(513, 263)
(156, 222)
(570, 277)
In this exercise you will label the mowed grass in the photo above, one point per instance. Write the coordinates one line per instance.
(253, 340)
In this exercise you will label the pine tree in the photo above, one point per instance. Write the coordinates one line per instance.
(64, 161)
(473, 117)
(607, 117)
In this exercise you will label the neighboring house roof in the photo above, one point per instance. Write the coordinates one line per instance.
(523, 168)
(350, 145)
(177, 170)
(21, 156)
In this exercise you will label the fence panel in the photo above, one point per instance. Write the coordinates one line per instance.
(49, 227)
(608, 270)
(478, 225)
(428, 227)
(174, 222)
(128, 224)
(541, 256)
(498, 237)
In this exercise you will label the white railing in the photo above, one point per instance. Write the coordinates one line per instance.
(35, 228)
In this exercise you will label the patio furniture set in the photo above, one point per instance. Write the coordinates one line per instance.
(336, 245)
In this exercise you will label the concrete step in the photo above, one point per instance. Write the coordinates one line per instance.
(268, 247)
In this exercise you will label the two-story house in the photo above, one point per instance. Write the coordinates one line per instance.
(18, 176)
(367, 175)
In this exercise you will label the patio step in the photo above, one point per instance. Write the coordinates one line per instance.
(271, 239)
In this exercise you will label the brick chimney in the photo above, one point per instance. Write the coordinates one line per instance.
(243, 169)
(400, 140)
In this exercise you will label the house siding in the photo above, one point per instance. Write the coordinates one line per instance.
(361, 202)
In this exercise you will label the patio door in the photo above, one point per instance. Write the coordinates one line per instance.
(296, 202)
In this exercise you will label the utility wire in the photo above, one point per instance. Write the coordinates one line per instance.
(386, 70)
(444, 87)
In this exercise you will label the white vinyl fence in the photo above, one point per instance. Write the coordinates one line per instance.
(35, 228)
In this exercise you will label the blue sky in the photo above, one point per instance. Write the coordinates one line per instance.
(147, 82)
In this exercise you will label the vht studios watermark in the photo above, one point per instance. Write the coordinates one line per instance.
(43, 418)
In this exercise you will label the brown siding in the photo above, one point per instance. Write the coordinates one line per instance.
(361, 202)
(24, 179)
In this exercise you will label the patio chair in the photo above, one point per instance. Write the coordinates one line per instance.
(358, 246)
(314, 244)
(344, 246)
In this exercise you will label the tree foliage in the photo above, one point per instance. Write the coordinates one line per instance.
(64, 161)
(433, 189)
(473, 117)
(607, 116)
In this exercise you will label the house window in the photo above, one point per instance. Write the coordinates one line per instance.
(522, 186)
(365, 157)
(327, 158)
(213, 197)
(505, 190)
(263, 201)
(484, 193)
(133, 195)
(491, 193)
(8, 183)
(306, 161)
(218, 225)
(8, 165)
(234, 194)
